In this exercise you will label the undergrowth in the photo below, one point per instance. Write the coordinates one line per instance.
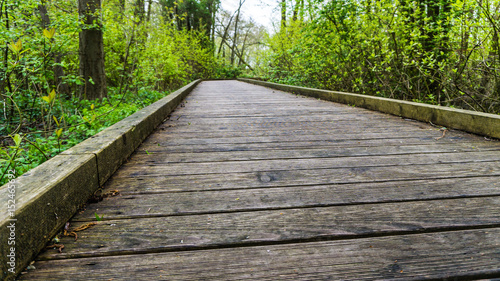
(80, 119)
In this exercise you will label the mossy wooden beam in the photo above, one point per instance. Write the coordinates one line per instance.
(470, 121)
(45, 198)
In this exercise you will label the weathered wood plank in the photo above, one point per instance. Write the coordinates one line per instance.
(140, 203)
(352, 118)
(173, 169)
(432, 256)
(143, 181)
(325, 144)
(284, 111)
(314, 138)
(144, 154)
(326, 126)
(250, 228)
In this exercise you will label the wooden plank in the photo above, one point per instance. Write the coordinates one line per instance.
(144, 181)
(468, 254)
(144, 154)
(283, 127)
(327, 126)
(257, 112)
(309, 118)
(269, 227)
(156, 167)
(206, 139)
(142, 203)
(153, 146)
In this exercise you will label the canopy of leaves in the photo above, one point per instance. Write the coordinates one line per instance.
(443, 52)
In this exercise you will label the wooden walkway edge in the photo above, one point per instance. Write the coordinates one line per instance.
(247, 183)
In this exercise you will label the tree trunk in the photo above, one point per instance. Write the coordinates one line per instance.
(235, 36)
(297, 9)
(91, 51)
(150, 6)
(224, 36)
(283, 14)
(44, 16)
(243, 48)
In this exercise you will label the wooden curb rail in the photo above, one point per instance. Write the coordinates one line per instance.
(45, 198)
(470, 121)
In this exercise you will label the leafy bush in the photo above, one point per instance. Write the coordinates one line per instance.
(438, 52)
(22, 153)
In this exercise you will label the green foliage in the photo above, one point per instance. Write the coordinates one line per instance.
(432, 51)
(148, 52)
(25, 153)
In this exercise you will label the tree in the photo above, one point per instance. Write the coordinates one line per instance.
(235, 35)
(91, 51)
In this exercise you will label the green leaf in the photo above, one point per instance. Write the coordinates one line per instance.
(49, 33)
(17, 139)
(4, 152)
(97, 217)
(59, 132)
(16, 47)
(55, 119)
(50, 97)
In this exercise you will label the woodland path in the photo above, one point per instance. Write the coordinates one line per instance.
(247, 183)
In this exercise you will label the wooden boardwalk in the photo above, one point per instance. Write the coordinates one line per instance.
(247, 183)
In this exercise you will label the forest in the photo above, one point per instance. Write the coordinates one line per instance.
(70, 68)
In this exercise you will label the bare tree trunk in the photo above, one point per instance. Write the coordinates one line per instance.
(243, 47)
(235, 36)
(283, 14)
(214, 11)
(297, 9)
(224, 36)
(235, 51)
(44, 15)
(150, 6)
(91, 51)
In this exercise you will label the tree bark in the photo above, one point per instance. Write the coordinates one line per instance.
(91, 51)
(224, 36)
(150, 6)
(299, 5)
(283, 14)
(235, 36)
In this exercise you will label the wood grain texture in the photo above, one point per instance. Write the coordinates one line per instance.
(436, 256)
(158, 234)
(142, 203)
(247, 183)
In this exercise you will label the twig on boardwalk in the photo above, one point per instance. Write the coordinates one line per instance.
(68, 232)
(58, 246)
(444, 132)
